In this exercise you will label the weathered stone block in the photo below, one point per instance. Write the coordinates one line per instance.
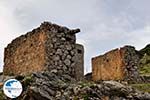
(46, 48)
(79, 62)
(118, 64)
(109, 66)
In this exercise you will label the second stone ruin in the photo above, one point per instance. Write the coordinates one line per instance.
(118, 64)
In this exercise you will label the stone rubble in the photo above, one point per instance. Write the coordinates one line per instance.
(54, 86)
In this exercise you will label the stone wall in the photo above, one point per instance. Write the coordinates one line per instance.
(108, 66)
(118, 64)
(131, 60)
(25, 54)
(49, 47)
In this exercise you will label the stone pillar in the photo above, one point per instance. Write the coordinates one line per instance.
(79, 66)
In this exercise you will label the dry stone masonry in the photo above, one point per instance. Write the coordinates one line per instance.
(49, 47)
(118, 64)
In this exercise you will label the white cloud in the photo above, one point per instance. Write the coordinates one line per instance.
(140, 37)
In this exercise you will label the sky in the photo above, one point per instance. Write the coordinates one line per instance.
(104, 24)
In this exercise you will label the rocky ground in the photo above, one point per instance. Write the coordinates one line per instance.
(54, 86)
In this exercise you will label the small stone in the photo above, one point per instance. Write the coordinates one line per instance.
(56, 63)
(68, 57)
(74, 58)
(59, 67)
(68, 47)
(76, 90)
(64, 68)
(54, 39)
(60, 71)
(56, 58)
(51, 45)
(72, 65)
(59, 52)
(62, 46)
(60, 63)
(51, 54)
(58, 35)
(66, 52)
(58, 94)
(63, 39)
(67, 62)
(54, 71)
(57, 44)
(72, 53)
(63, 57)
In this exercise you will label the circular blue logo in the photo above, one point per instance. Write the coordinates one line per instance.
(12, 88)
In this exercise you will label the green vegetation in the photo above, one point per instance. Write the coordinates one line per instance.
(142, 87)
(86, 96)
(84, 84)
(2, 96)
(145, 65)
(145, 71)
(27, 80)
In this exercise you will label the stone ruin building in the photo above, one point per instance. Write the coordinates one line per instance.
(49, 47)
(118, 64)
